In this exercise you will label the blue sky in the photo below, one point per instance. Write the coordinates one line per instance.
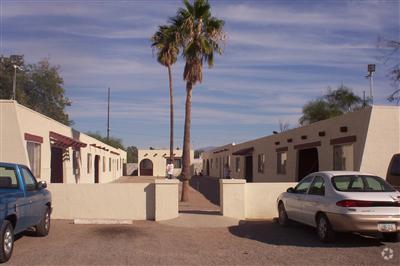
(278, 56)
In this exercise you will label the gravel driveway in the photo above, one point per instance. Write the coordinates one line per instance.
(146, 242)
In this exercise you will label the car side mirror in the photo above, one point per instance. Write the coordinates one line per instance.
(290, 190)
(41, 185)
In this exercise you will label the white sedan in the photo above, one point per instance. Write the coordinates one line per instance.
(341, 201)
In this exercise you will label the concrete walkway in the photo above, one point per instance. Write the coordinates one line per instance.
(198, 212)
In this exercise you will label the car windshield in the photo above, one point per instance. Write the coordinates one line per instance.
(360, 183)
(8, 178)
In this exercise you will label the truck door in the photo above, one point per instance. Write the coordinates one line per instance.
(34, 196)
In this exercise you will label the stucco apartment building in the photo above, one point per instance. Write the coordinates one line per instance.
(154, 162)
(55, 153)
(365, 140)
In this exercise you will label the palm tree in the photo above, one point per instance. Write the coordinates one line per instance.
(165, 42)
(200, 36)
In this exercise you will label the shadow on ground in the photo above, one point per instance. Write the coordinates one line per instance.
(201, 212)
(270, 232)
(207, 186)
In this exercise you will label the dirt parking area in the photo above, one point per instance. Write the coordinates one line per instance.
(147, 242)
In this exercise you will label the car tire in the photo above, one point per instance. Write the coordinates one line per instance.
(390, 237)
(7, 241)
(283, 218)
(324, 229)
(43, 228)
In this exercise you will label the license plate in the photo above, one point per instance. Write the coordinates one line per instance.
(387, 227)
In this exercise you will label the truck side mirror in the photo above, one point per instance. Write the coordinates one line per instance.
(41, 185)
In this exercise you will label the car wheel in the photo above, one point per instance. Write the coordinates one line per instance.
(390, 237)
(283, 219)
(324, 229)
(43, 228)
(7, 240)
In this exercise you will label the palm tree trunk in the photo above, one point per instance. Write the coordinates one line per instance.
(186, 144)
(171, 113)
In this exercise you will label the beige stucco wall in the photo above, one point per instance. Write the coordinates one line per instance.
(158, 158)
(216, 160)
(16, 120)
(383, 140)
(243, 200)
(260, 199)
(380, 123)
(127, 201)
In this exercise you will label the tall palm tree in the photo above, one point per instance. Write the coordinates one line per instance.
(165, 42)
(201, 35)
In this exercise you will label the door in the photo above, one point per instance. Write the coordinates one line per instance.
(295, 200)
(34, 197)
(314, 201)
(307, 162)
(96, 168)
(56, 165)
(146, 167)
(249, 169)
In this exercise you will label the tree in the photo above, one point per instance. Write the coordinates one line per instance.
(132, 154)
(39, 87)
(165, 42)
(283, 126)
(333, 103)
(112, 141)
(198, 153)
(201, 35)
(393, 59)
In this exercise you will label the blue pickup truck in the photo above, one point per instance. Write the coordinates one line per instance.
(24, 204)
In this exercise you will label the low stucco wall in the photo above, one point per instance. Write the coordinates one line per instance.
(243, 200)
(260, 199)
(136, 201)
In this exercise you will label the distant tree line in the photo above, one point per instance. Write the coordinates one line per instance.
(38, 86)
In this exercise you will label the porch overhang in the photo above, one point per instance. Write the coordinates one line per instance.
(64, 141)
(244, 152)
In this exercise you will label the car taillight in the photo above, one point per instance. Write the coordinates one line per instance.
(366, 203)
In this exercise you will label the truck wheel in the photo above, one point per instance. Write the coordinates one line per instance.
(7, 241)
(43, 228)
(324, 229)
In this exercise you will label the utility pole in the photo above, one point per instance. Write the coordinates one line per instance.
(108, 115)
(371, 70)
(14, 96)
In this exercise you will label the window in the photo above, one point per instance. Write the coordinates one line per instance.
(281, 163)
(75, 162)
(30, 181)
(302, 187)
(261, 163)
(104, 163)
(109, 164)
(395, 167)
(89, 163)
(317, 187)
(237, 166)
(34, 155)
(8, 178)
(117, 164)
(178, 163)
(343, 157)
(360, 183)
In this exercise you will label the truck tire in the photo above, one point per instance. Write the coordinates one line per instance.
(7, 241)
(43, 228)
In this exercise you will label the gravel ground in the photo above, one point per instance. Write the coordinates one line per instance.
(146, 242)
